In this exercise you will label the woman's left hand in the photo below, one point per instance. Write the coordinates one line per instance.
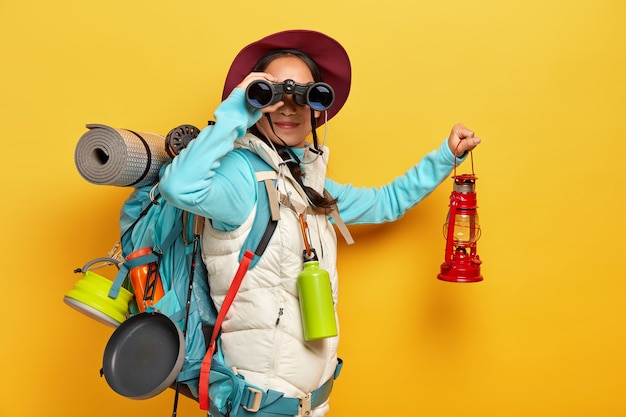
(462, 140)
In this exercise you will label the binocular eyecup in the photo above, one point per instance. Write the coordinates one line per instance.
(262, 93)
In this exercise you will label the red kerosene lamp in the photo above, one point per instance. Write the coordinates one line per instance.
(462, 230)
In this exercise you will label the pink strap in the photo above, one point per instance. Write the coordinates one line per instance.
(205, 369)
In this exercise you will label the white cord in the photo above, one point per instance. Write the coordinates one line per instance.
(153, 191)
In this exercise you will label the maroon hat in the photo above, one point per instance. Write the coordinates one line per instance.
(327, 53)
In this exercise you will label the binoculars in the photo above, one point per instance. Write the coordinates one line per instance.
(318, 96)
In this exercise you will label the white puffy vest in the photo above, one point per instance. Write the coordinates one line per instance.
(262, 336)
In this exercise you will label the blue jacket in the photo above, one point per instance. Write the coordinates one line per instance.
(210, 180)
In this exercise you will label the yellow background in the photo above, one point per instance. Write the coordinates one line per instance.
(542, 82)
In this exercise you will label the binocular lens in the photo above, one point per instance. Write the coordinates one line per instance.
(320, 97)
(260, 94)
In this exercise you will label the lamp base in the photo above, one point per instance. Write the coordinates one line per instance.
(461, 270)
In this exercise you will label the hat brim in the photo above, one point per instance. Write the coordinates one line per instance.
(327, 53)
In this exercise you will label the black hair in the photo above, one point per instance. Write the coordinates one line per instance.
(316, 198)
(270, 56)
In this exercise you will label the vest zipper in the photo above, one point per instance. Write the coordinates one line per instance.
(277, 341)
(280, 313)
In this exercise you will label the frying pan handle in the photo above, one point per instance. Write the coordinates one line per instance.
(98, 260)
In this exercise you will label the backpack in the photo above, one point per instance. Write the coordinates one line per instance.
(147, 220)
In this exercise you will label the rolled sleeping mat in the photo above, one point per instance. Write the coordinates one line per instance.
(110, 156)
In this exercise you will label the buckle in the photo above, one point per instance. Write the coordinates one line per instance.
(304, 407)
(256, 401)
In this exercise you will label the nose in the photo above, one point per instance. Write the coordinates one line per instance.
(289, 105)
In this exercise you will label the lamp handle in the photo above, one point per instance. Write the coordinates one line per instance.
(455, 158)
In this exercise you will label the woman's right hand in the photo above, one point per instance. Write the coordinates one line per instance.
(253, 76)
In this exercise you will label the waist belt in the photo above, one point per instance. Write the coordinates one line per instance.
(258, 403)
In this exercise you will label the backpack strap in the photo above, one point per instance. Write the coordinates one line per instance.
(205, 369)
(270, 403)
(267, 209)
(333, 213)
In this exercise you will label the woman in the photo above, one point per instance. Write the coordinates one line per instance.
(262, 336)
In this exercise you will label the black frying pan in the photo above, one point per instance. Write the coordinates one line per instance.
(144, 355)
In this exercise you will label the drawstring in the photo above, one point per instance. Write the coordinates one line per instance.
(316, 148)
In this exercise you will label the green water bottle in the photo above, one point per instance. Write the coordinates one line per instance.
(316, 302)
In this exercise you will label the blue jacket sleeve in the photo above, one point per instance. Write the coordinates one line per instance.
(363, 205)
(206, 178)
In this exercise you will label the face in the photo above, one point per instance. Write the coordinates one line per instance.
(292, 122)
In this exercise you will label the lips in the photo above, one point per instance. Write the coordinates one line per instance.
(286, 125)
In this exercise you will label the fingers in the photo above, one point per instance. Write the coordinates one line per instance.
(256, 76)
(462, 132)
(273, 107)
